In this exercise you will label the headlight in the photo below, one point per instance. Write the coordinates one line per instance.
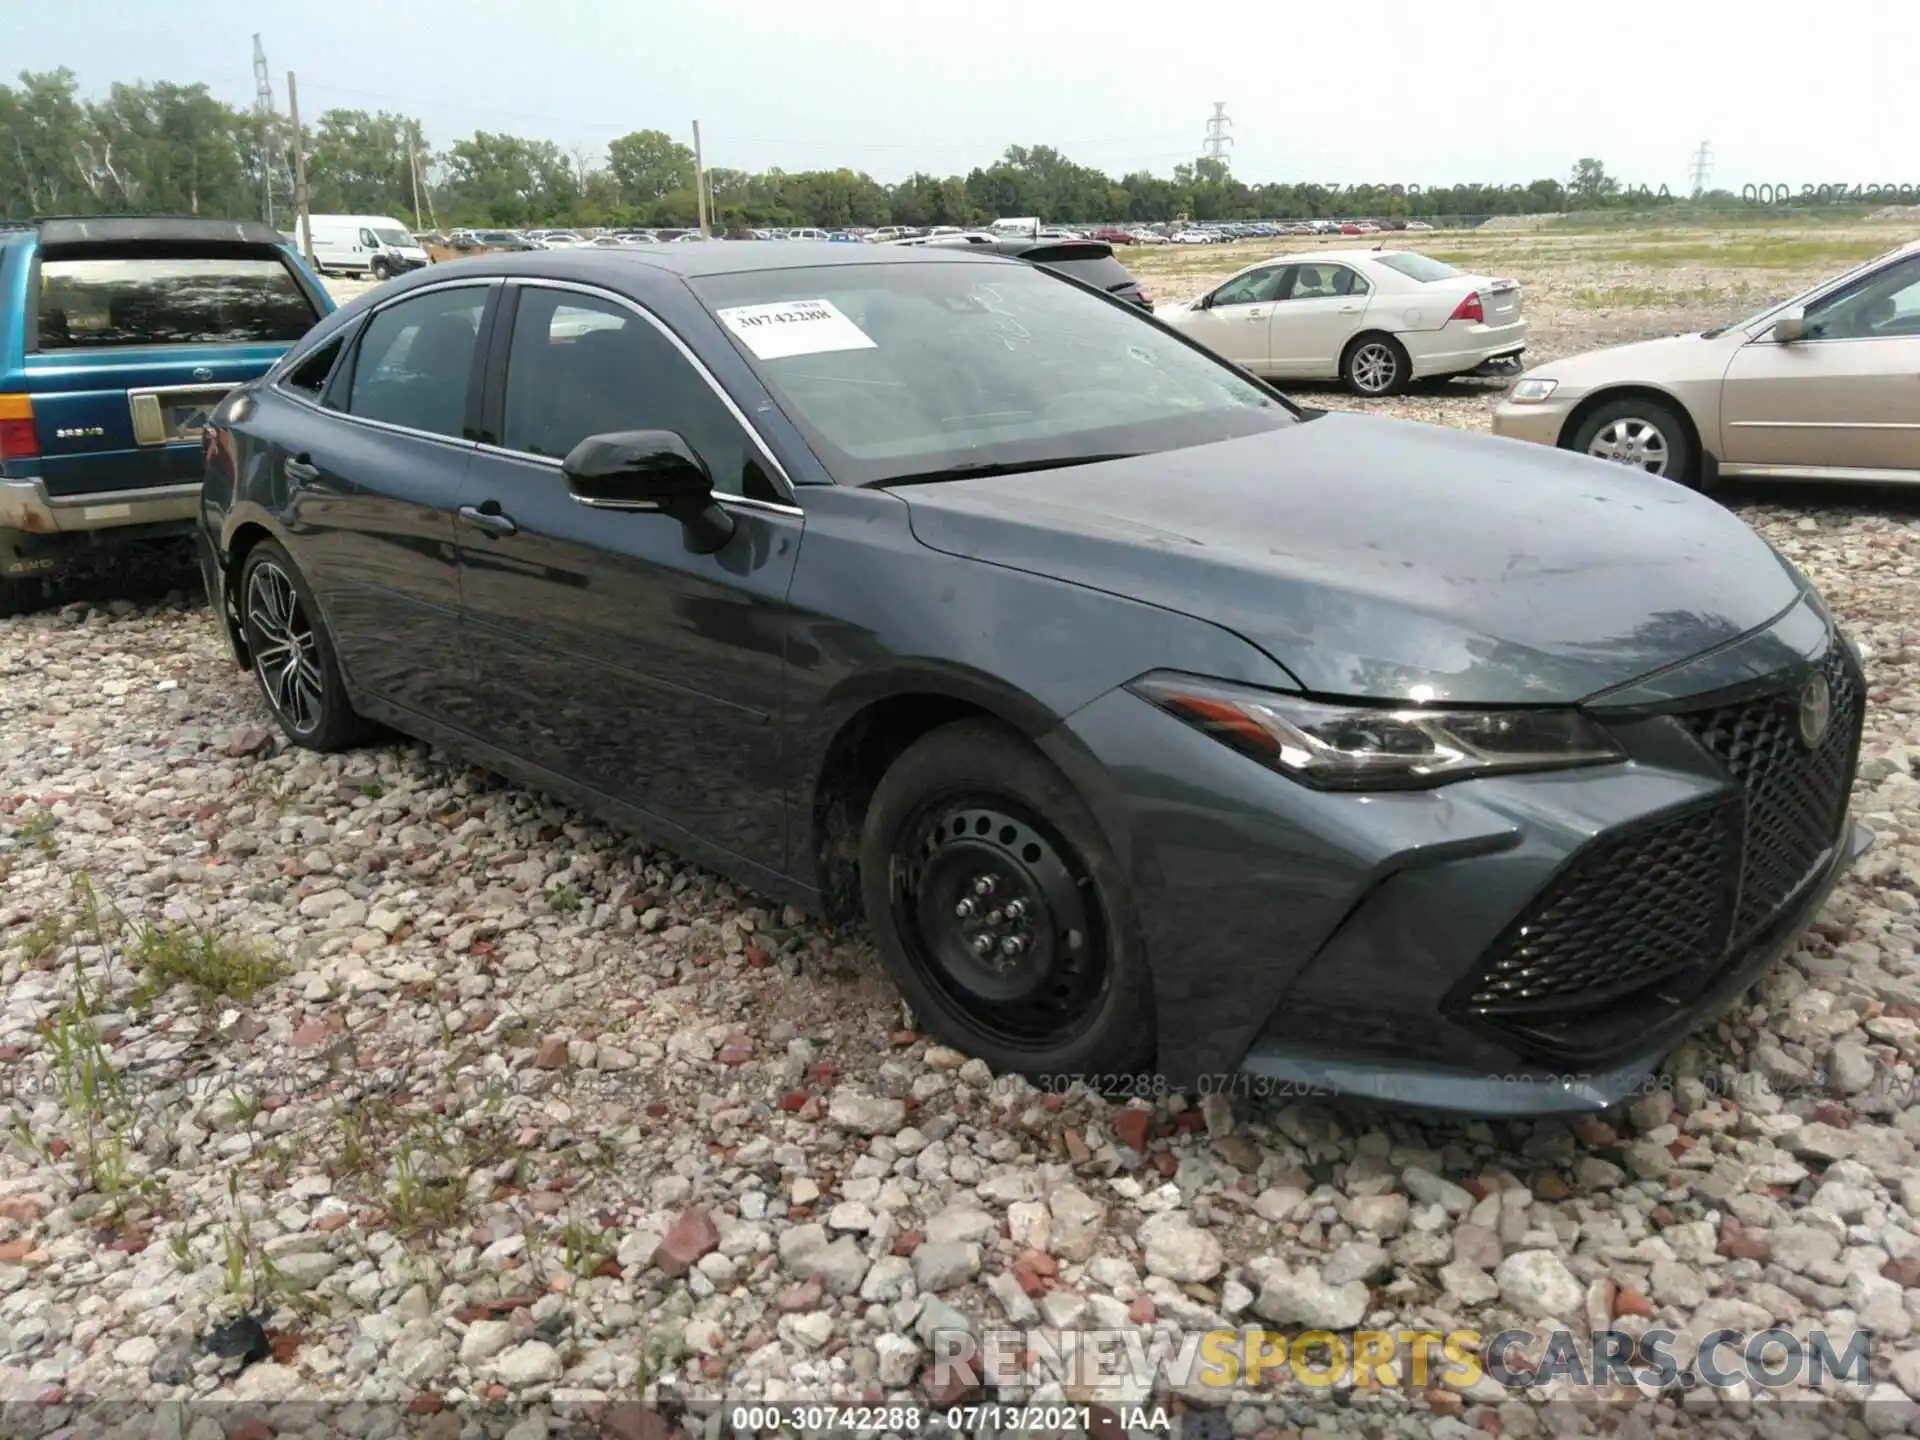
(1367, 747)
(1531, 391)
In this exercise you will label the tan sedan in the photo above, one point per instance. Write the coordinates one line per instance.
(1825, 385)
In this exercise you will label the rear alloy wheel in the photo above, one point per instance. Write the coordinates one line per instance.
(1376, 366)
(292, 654)
(1643, 434)
(1000, 911)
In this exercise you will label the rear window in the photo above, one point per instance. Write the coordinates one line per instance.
(1089, 264)
(97, 303)
(1415, 267)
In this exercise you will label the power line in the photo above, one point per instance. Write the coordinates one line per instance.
(1701, 168)
(1218, 139)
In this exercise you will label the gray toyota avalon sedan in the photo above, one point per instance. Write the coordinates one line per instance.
(1162, 731)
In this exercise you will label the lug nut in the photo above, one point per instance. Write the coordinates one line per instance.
(983, 884)
(1015, 909)
(982, 944)
(1012, 945)
(963, 909)
(994, 917)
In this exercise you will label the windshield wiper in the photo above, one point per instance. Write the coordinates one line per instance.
(980, 470)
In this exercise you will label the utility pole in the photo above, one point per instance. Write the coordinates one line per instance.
(413, 174)
(1218, 139)
(263, 123)
(699, 178)
(1701, 168)
(300, 170)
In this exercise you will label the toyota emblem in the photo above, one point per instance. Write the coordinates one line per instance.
(203, 373)
(1816, 710)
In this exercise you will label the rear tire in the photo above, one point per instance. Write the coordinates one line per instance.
(1001, 912)
(1376, 366)
(293, 655)
(1643, 434)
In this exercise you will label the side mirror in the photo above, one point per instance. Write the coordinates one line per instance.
(1791, 326)
(649, 470)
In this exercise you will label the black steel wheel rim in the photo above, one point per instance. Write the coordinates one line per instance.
(998, 916)
(286, 653)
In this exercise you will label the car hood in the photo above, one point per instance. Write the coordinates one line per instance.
(1388, 559)
(1670, 360)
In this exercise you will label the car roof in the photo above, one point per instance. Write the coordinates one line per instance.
(713, 257)
(108, 229)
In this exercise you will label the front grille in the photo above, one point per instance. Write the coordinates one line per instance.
(1632, 907)
(1796, 798)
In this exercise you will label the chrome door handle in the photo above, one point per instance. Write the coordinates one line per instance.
(491, 521)
(300, 470)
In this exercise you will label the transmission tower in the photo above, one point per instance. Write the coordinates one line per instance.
(263, 122)
(1701, 168)
(1218, 139)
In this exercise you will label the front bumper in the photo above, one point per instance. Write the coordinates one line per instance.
(1309, 942)
(1541, 422)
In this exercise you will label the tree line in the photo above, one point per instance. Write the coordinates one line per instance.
(176, 149)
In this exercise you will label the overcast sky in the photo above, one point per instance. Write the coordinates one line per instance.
(1396, 91)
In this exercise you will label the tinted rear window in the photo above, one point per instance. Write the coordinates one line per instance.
(1104, 273)
(99, 302)
(1415, 267)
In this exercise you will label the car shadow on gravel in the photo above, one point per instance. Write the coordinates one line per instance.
(1893, 502)
(139, 574)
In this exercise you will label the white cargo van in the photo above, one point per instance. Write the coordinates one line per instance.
(376, 245)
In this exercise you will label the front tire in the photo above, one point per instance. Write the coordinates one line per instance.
(293, 655)
(1376, 366)
(380, 269)
(1640, 433)
(1000, 910)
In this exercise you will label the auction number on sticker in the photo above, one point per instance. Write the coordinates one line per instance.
(1829, 194)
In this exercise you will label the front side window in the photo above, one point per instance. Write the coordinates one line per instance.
(1882, 305)
(416, 359)
(367, 241)
(579, 365)
(1256, 287)
(929, 365)
(101, 303)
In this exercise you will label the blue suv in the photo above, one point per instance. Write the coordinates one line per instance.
(118, 336)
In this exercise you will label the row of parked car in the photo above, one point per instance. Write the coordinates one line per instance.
(1143, 713)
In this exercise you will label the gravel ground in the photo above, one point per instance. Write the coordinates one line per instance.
(458, 1094)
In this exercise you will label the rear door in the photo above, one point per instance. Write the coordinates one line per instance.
(372, 473)
(130, 345)
(1324, 306)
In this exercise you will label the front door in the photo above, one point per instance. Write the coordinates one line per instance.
(614, 656)
(1844, 397)
(1233, 323)
(1321, 310)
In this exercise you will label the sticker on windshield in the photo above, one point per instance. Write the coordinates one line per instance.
(794, 327)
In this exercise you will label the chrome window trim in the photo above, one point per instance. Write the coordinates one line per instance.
(779, 471)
